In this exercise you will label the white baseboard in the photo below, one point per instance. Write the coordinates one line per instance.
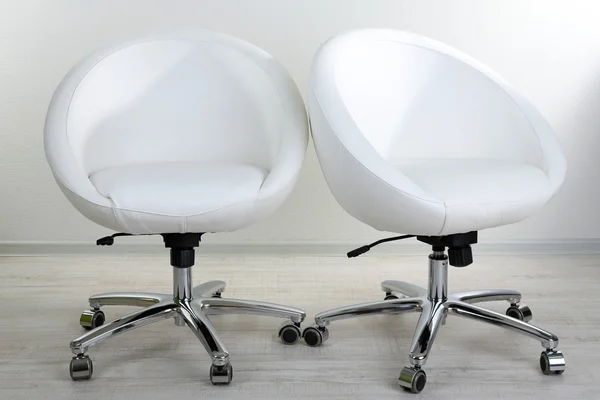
(405, 248)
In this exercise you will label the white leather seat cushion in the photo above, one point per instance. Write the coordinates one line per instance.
(480, 193)
(182, 189)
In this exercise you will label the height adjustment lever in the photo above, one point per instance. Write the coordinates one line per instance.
(363, 249)
(110, 240)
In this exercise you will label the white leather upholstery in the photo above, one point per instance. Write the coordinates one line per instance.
(195, 193)
(415, 137)
(187, 132)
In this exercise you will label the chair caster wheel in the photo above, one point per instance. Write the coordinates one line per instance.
(81, 368)
(520, 312)
(289, 333)
(221, 374)
(91, 319)
(413, 379)
(315, 335)
(390, 296)
(552, 362)
(216, 295)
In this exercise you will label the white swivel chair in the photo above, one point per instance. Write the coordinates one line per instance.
(415, 137)
(178, 135)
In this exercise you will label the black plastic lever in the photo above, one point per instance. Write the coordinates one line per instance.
(363, 249)
(110, 240)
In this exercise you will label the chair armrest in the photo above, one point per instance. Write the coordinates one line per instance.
(294, 142)
(66, 169)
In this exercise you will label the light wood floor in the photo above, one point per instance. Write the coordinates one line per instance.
(41, 299)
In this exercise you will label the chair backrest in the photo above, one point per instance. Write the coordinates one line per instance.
(412, 97)
(199, 96)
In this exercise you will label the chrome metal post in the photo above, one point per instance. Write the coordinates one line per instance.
(182, 284)
(438, 276)
(182, 289)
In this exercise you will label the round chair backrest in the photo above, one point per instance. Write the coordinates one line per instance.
(413, 97)
(195, 97)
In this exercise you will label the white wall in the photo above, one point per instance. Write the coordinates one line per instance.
(548, 49)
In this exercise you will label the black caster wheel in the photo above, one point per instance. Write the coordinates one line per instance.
(390, 296)
(290, 333)
(81, 368)
(413, 379)
(216, 295)
(91, 319)
(221, 375)
(520, 312)
(552, 362)
(315, 335)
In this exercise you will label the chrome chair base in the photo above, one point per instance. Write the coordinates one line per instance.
(435, 304)
(187, 306)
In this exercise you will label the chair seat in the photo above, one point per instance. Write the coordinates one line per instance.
(472, 181)
(479, 193)
(179, 189)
